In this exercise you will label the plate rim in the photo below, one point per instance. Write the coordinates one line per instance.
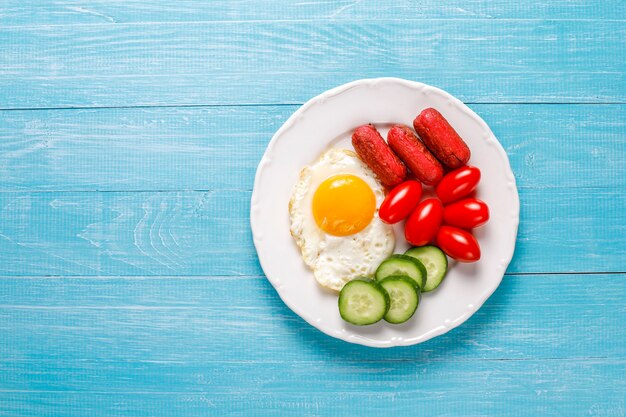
(320, 99)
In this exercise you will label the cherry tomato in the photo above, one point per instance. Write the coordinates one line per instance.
(421, 226)
(458, 244)
(466, 213)
(400, 201)
(457, 184)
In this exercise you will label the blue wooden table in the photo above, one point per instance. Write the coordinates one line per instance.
(130, 132)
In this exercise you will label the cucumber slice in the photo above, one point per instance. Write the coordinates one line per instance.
(363, 301)
(402, 265)
(435, 262)
(404, 295)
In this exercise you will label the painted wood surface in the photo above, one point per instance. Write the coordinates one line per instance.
(71, 12)
(129, 137)
(208, 233)
(218, 63)
(168, 149)
(100, 331)
(74, 313)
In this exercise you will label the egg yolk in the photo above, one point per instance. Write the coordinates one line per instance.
(343, 205)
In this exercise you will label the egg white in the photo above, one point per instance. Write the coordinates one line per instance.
(335, 260)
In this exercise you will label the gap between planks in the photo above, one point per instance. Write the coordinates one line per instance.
(162, 106)
(315, 20)
(249, 277)
(598, 359)
(243, 190)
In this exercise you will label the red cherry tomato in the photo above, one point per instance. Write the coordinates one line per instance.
(458, 244)
(400, 201)
(457, 184)
(466, 213)
(421, 226)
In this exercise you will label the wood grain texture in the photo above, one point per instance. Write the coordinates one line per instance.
(285, 62)
(208, 233)
(558, 388)
(208, 344)
(190, 321)
(69, 12)
(267, 88)
(129, 137)
(501, 389)
(160, 149)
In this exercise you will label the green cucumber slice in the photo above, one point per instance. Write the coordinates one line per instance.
(363, 301)
(402, 265)
(436, 264)
(404, 296)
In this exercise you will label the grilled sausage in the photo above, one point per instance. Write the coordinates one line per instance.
(414, 154)
(441, 138)
(377, 155)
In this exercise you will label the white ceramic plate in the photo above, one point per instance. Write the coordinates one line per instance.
(328, 121)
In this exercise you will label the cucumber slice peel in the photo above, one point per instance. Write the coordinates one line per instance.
(363, 301)
(403, 265)
(404, 296)
(436, 264)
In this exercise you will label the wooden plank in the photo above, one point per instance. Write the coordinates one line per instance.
(569, 46)
(224, 292)
(106, 65)
(208, 233)
(520, 351)
(511, 388)
(469, 85)
(65, 12)
(74, 324)
(219, 147)
(127, 233)
(199, 331)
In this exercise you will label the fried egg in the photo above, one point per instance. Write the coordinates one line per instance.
(334, 219)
